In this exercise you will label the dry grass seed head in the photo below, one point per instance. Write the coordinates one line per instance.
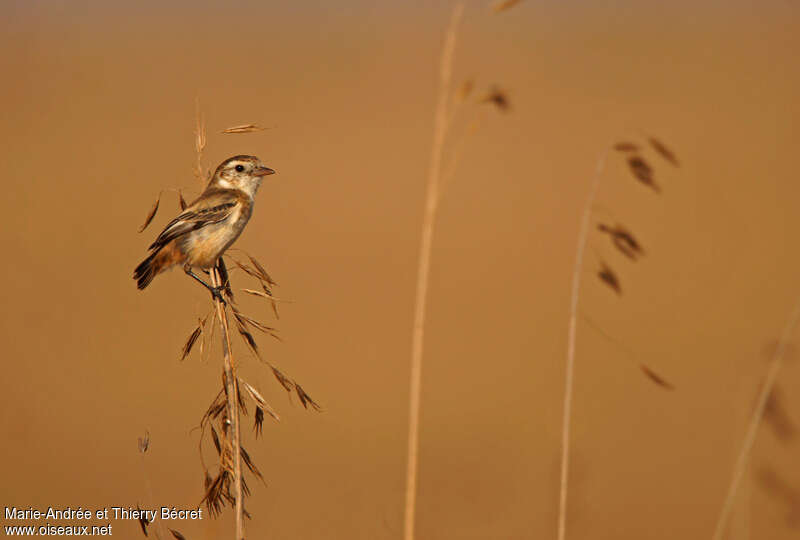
(214, 497)
(215, 439)
(260, 326)
(623, 240)
(266, 281)
(609, 277)
(498, 98)
(177, 535)
(187, 347)
(656, 378)
(240, 400)
(248, 461)
(258, 421)
(625, 146)
(151, 214)
(144, 442)
(259, 399)
(143, 521)
(643, 172)
(244, 128)
(262, 273)
(665, 152)
(305, 399)
(215, 409)
(285, 381)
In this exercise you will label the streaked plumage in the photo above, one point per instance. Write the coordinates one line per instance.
(210, 224)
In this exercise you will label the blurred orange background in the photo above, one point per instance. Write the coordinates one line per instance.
(99, 105)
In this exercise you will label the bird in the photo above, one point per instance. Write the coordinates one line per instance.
(209, 225)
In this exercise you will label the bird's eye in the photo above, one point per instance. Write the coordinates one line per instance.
(239, 168)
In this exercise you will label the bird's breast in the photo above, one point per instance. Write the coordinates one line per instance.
(205, 245)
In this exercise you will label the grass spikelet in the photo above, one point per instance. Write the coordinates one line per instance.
(665, 152)
(263, 277)
(258, 421)
(625, 146)
(623, 240)
(266, 295)
(144, 442)
(248, 461)
(656, 378)
(151, 214)
(246, 269)
(244, 128)
(177, 535)
(261, 327)
(609, 277)
(143, 521)
(181, 201)
(643, 172)
(259, 399)
(498, 98)
(215, 438)
(262, 273)
(240, 400)
(285, 381)
(214, 493)
(241, 326)
(305, 399)
(187, 348)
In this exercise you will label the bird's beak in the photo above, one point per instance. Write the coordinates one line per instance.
(263, 171)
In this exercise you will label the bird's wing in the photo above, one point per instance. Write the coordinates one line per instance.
(210, 208)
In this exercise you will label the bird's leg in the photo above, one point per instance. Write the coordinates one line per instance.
(215, 291)
(226, 280)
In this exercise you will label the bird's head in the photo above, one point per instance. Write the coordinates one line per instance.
(240, 172)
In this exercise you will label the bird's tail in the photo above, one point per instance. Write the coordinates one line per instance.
(146, 271)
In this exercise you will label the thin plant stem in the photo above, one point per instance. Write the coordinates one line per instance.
(151, 499)
(231, 393)
(423, 269)
(569, 380)
(755, 421)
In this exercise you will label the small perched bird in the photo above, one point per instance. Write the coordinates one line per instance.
(209, 225)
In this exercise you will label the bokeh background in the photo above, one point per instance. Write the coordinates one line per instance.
(98, 116)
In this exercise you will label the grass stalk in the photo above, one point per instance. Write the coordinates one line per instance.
(423, 268)
(776, 362)
(569, 380)
(231, 393)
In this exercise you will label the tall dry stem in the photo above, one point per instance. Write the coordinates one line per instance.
(569, 380)
(231, 393)
(752, 430)
(423, 269)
